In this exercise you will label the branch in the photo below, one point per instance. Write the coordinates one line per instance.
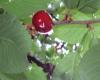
(48, 68)
(77, 22)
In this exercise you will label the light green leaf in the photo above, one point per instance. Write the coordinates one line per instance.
(71, 3)
(97, 15)
(3, 2)
(3, 77)
(20, 76)
(71, 33)
(86, 42)
(25, 8)
(36, 73)
(96, 27)
(77, 15)
(15, 43)
(90, 64)
(66, 69)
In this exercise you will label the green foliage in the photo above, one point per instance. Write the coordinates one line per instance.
(86, 42)
(15, 43)
(96, 29)
(90, 64)
(24, 8)
(71, 33)
(66, 68)
(36, 73)
(86, 6)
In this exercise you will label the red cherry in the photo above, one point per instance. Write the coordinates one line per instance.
(42, 21)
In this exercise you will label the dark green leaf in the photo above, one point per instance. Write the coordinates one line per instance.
(15, 43)
(86, 6)
(89, 6)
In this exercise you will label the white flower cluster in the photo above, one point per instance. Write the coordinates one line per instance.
(60, 46)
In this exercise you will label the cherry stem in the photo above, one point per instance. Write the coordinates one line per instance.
(77, 22)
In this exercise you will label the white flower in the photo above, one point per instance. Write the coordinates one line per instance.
(58, 40)
(61, 4)
(48, 46)
(50, 6)
(57, 16)
(29, 68)
(38, 42)
(64, 51)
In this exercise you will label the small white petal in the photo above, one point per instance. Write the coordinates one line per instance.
(10, 0)
(47, 57)
(54, 19)
(77, 44)
(74, 47)
(59, 51)
(29, 68)
(54, 44)
(61, 4)
(48, 46)
(94, 16)
(49, 6)
(57, 16)
(50, 77)
(58, 40)
(65, 45)
(65, 51)
(38, 43)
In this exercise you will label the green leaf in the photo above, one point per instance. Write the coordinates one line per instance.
(3, 2)
(25, 8)
(90, 64)
(66, 69)
(97, 15)
(77, 15)
(86, 42)
(20, 76)
(71, 33)
(15, 43)
(71, 4)
(3, 77)
(36, 73)
(86, 6)
(96, 27)
(89, 6)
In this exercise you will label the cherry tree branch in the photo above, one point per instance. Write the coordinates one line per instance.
(77, 22)
(48, 68)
